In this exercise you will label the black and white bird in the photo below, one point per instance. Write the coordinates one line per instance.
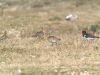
(88, 36)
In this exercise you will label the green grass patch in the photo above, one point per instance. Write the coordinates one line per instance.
(94, 27)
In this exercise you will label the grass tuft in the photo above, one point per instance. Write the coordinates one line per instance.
(94, 27)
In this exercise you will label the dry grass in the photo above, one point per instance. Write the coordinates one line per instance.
(22, 54)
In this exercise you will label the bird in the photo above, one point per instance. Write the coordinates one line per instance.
(53, 39)
(4, 36)
(71, 17)
(88, 36)
(40, 34)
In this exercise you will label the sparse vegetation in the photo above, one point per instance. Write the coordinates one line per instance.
(22, 54)
(94, 27)
(55, 18)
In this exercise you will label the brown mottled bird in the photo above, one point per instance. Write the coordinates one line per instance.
(4, 36)
(40, 34)
(53, 40)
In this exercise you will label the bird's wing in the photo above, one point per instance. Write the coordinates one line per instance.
(89, 35)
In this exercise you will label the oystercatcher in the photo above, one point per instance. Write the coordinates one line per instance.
(88, 36)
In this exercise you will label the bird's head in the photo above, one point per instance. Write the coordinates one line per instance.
(83, 32)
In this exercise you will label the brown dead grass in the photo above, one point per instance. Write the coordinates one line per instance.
(25, 52)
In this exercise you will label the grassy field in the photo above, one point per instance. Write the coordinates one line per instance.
(21, 54)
